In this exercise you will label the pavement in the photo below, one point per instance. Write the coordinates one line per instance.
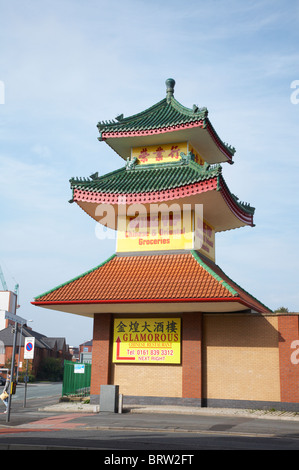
(55, 415)
(70, 407)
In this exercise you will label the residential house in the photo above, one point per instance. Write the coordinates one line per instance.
(44, 347)
(85, 352)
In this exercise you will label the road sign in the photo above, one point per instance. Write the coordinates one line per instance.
(79, 368)
(29, 348)
(15, 318)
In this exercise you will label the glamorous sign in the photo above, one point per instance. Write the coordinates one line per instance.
(147, 340)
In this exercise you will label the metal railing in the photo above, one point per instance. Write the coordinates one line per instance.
(76, 384)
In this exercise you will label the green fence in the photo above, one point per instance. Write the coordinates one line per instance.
(76, 379)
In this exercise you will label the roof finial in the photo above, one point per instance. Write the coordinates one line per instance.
(170, 82)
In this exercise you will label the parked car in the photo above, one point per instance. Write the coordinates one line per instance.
(2, 380)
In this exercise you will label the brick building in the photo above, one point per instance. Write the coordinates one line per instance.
(85, 352)
(169, 325)
(44, 347)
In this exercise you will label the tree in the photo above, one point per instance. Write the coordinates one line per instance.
(50, 369)
(281, 310)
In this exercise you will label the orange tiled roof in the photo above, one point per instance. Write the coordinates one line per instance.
(154, 278)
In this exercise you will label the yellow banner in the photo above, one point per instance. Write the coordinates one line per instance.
(164, 153)
(159, 153)
(168, 231)
(147, 340)
(197, 158)
(204, 238)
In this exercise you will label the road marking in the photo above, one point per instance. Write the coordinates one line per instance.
(52, 423)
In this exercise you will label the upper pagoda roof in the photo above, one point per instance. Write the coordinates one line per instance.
(165, 122)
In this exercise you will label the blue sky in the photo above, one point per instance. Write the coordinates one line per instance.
(67, 64)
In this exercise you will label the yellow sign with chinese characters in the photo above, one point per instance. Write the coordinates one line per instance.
(166, 231)
(164, 153)
(155, 232)
(147, 340)
(197, 158)
(159, 153)
(204, 238)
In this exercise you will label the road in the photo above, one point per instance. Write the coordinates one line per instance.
(139, 435)
(37, 390)
(143, 440)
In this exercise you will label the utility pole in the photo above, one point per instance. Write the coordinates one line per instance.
(12, 371)
(18, 320)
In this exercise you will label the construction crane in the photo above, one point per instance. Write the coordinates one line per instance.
(4, 285)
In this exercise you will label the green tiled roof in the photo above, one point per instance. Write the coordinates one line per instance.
(147, 178)
(164, 114)
(135, 178)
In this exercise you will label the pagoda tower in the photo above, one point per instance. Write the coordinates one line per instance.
(153, 300)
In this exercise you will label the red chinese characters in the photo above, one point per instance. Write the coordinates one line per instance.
(159, 154)
(174, 152)
(143, 155)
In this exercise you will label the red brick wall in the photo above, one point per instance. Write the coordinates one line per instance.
(288, 329)
(100, 352)
(191, 355)
(289, 368)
